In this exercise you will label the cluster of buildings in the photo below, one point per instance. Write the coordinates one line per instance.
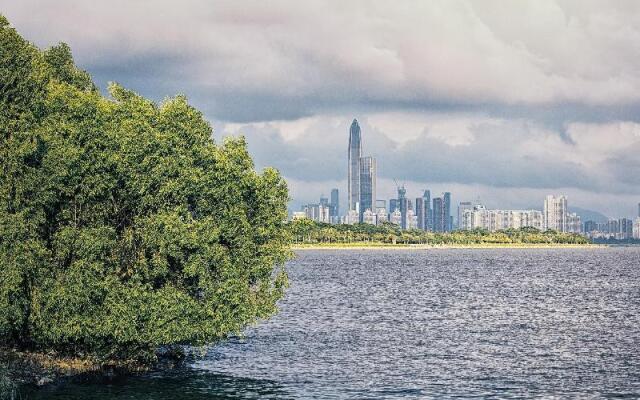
(434, 214)
(554, 216)
(614, 229)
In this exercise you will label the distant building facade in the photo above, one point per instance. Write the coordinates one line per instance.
(317, 212)
(403, 206)
(442, 221)
(367, 185)
(335, 206)
(555, 213)
(462, 206)
(494, 220)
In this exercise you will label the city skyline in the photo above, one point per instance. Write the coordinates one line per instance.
(434, 214)
(487, 109)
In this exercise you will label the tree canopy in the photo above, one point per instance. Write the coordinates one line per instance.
(123, 225)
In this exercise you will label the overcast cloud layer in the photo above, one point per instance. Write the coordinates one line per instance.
(503, 100)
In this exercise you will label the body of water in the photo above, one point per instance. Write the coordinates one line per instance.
(385, 324)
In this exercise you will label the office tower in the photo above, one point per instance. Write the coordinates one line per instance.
(403, 205)
(367, 184)
(574, 223)
(353, 176)
(335, 202)
(427, 210)
(324, 201)
(555, 213)
(439, 223)
(442, 219)
(447, 211)
(393, 205)
(625, 229)
(636, 229)
(420, 212)
(464, 205)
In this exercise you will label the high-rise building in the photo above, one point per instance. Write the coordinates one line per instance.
(412, 220)
(447, 211)
(353, 176)
(442, 219)
(636, 229)
(462, 206)
(638, 210)
(335, 203)
(367, 184)
(574, 223)
(393, 205)
(555, 213)
(420, 212)
(428, 219)
(439, 224)
(403, 205)
(324, 201)
(369, 217)
(625, 227)
(396, 217)
(381, 211)
(316, 212)
(493, 220)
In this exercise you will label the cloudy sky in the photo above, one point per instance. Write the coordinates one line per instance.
(502, 100)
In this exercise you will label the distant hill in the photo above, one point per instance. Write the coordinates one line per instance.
(589, 215)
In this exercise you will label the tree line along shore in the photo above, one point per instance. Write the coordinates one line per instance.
(307, 233)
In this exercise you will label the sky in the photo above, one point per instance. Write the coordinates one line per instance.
(496, 100)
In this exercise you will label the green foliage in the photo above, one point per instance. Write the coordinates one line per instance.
(306, 231)
(123, 226)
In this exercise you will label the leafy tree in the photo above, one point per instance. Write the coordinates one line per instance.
(123, 226)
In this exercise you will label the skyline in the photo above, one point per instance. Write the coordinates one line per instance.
(511, 105)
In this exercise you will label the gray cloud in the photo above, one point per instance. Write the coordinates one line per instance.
(524, 97)
(254, 61)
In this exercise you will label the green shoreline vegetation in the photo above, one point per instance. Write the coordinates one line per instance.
(310, 234)
(124, 228)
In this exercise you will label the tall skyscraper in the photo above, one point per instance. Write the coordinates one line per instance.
(420, 212)
(403, 205)
(439, 224)
(428, 219)
(393, 205)
(353, 176)
(335, 202)
(447, 211)
(367, 185)
(555, 213)
(442, 219)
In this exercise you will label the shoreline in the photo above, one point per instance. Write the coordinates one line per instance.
(384, 246)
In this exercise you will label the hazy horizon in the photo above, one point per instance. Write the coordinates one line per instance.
(503, 101)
